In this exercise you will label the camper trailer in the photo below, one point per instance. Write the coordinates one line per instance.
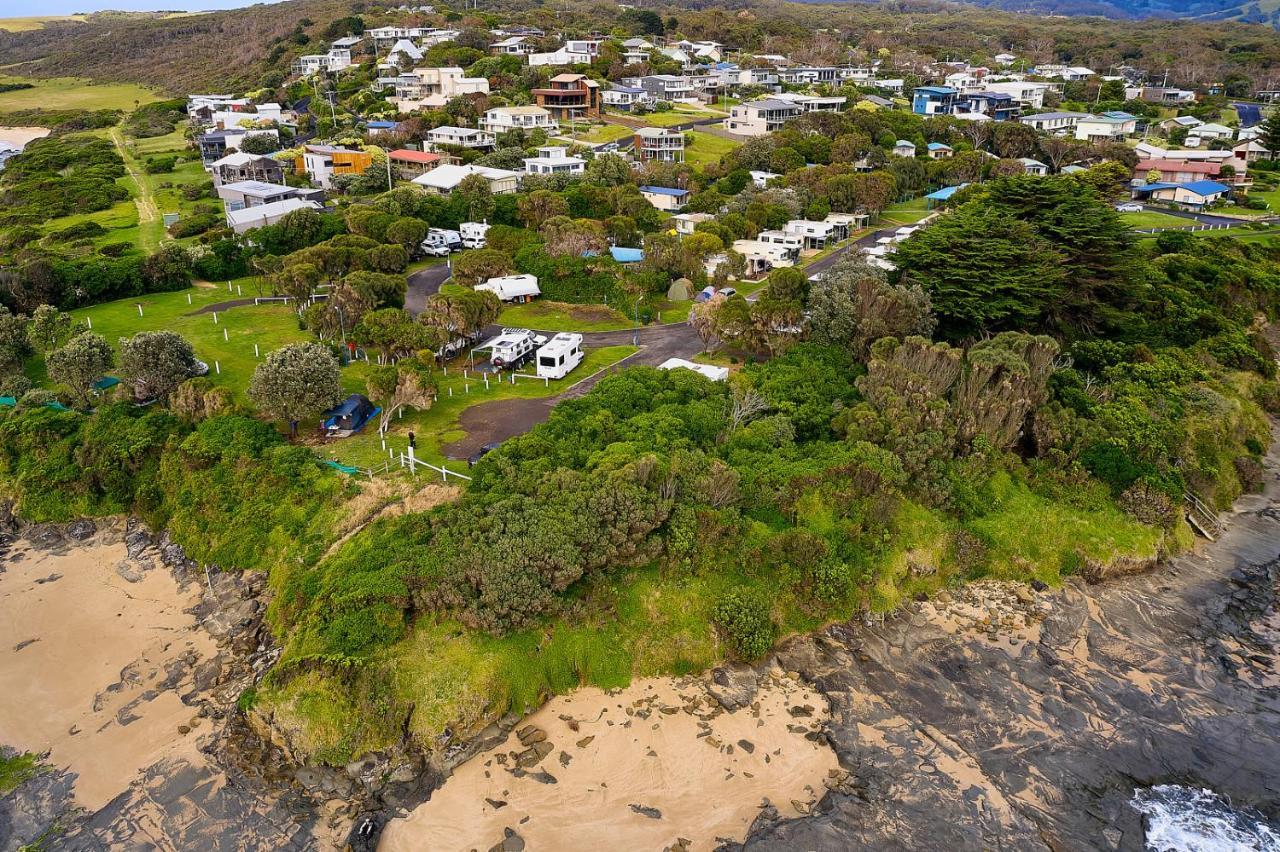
(558, 358)
(473, 234)
(512, 288)
(512, 348)
(439, 240)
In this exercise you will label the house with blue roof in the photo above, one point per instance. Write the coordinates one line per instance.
(939, 151)
(380, 126)
(1196, 195)
(665, 198)
(934, 100)
(997, 106)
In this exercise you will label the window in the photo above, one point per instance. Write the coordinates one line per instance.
(546, 361)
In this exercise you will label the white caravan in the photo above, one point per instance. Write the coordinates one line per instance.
(558, 358)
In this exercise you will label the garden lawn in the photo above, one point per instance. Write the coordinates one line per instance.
(706, 148)
(561, 316)
(270, 326)
(438, 425)
(598, 134)
(680, 115)
(73, 93)
(1154, 219)
(905, 212)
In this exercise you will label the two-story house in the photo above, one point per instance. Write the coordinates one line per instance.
(238, 166)
(756, 118)
(569, 96)
(554, 160)
(502, 119)
(933, 100)
(659, 143)
(461, 137)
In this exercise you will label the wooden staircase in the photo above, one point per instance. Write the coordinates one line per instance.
(1202, 519)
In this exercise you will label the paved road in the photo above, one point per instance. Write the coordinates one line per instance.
(868, 239)
(423, 283)
(1202, 218)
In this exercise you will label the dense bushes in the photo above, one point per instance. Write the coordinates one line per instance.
(60, 175)
(743, 614)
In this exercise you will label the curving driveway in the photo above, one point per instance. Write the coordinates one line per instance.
(423, 283)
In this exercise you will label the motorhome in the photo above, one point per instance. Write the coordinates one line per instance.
(511, 349)
(561, 354)
(473, 234)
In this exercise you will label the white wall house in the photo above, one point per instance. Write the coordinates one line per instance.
(554, 160)
(502, 119)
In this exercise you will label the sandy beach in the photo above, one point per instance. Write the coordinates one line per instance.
(85, 653)
(641, 767)
(20, 136)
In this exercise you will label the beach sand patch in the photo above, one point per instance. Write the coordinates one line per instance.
(636, 768)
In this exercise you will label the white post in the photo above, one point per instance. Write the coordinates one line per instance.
(486, 381)
(255, 351)
(224, 333)
(466, 388)
(239, 292)
(228, 286)
(139, 309)
(90, 321)
(450, 393)
(188, 298)
(217, 367)
(215, 317)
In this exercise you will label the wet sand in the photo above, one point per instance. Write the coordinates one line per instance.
(84, 656)
(637, 768)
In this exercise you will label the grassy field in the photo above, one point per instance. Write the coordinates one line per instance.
(707, 148)
(1154, 219)
(74, 93)
(559, 316)
(596, 135)
(269, 326)
(905, 212)
(35, 22)
(681, 114)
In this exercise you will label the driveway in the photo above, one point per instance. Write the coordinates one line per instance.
(492, 422)
(423, 283)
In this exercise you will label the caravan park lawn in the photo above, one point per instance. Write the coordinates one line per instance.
(73, 93)
(707, 148)
(439, 424)
(269, 326)
(560, 316)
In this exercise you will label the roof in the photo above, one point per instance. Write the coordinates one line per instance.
(631, 90)
(449, 176)
(256, 187)
(945, 193)
(1052, 116)
(380, 125)
(238, 158)
(710, 371)
(520, 110)
(274, 210)
(938, 146)
(936, 90)
(904, 143)
(1199, 187)
(1206, 168)
(567, 78)
(664, 190)
(657, 132)
(1106, 119)
(413, 156)
(1028, 161)
(773, 103)
(1120, 115)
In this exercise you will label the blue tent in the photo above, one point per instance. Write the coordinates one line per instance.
(349, 416)
(105, 383)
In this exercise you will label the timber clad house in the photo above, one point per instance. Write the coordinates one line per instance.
(570, 96)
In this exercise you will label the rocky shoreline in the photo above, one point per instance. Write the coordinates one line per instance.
(994, 716)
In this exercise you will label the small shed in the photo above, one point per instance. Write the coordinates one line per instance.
(349, 416)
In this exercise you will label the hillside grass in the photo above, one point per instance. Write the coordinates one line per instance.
(706, 148)
(905, 212)
(73, 93)
(1154, 219)
(36, 22)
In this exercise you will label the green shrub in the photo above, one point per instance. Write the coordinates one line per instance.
(743, 615)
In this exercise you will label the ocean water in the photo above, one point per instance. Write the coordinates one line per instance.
(1184, 819)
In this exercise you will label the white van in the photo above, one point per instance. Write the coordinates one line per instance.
(558, 358)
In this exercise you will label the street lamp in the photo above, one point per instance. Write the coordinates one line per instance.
(635, 334)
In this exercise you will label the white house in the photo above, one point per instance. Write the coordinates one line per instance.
(757, 118)
(463, 137)
(502, 119)
(1057, 123)
(434, 87)
(664, 197)
(1033, 167)
(815, 234)
(554, 160)
(904, 148)
(512, 288)
(403, 51)
(262, 215)
(444, 179)
(761, 179)
(1106, 127)
(1026, 93)
(563, 56)
(687, 223)
(516, 45)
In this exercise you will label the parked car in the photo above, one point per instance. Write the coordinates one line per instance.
(435, 249)
(728, 292)
(482, 452)
(1129, 207)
